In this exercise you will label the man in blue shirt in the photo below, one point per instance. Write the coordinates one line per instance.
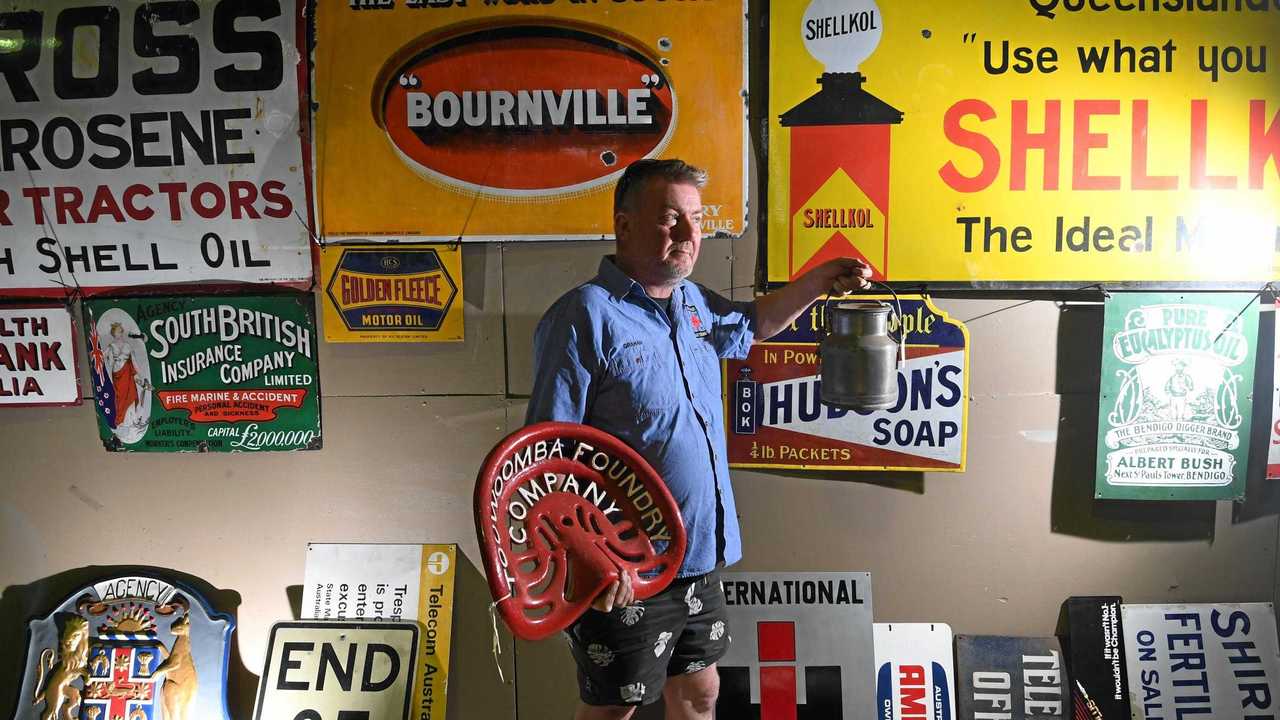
(636, 352)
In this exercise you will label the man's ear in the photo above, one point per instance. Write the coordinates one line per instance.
(621, 225)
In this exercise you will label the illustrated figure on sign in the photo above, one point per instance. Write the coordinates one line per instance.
(1178, 388)
(636, 353)
(130, 389)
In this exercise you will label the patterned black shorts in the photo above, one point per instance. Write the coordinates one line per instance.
(624, 657)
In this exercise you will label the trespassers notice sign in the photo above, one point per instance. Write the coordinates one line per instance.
(232, 373)
(452, 120)
(1216, 661)
(1175, 402)
(150, 143)
(776, 419)
(399, 583)
(38, 357)
(802, 646)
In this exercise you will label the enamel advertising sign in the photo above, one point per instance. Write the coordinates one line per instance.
(802, 646)
(453, 120)
(150, 143)
(1012, 678)
(915, 672)
(1215, 661)
(778, 421)
(1175, 403)
(1273, 451)
(198, 374)
(1038, 142)
(38, 357)
(409, 583)
(128, 647)
(392, 293)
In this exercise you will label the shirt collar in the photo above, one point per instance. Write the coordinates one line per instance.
(619, 283)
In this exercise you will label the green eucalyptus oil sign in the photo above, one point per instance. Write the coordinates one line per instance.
(1177, 388)
(222, 373)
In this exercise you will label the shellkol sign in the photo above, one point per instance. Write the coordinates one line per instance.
(150, 143)
(485, 121)
(198, 374)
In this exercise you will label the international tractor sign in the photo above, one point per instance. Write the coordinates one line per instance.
(479, 121)
(777, 420)
(1038, 142)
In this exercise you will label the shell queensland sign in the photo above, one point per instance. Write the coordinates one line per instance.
(148, 143)
(201, 374)
(450, 120)
(776, 419)
(1033, 142)
(392, 293)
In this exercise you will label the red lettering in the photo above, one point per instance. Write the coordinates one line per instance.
(1140, 140)
(37, 196)
(1264, 144)
(208, 212)
(243, 195)
(977, 142)
(172, 189)
(104, 203)
(1021, 140)
(278, 203)
(131, 193)
(1085, 141)
(66, 203)
(911, 691)
(4, 205)
(1200, 177)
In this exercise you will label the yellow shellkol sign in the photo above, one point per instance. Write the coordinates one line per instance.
(392, 293)
(477, 121)
(1041, 142)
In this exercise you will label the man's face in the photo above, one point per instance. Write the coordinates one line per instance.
(659, 238)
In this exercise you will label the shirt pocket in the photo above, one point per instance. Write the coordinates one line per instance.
(643, 381)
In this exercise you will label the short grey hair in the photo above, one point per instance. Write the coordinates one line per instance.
(639, 172)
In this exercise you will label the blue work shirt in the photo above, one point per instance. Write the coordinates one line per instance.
(608, 355)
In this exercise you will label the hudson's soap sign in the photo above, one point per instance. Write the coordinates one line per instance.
(489, 121)
(777, 419)
(199, 374)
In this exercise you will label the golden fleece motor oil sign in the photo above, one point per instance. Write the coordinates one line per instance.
(476, 121)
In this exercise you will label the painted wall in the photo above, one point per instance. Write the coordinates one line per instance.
(993, 550)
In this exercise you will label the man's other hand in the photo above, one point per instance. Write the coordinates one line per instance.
(619, 594)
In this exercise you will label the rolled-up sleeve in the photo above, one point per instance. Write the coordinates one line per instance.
(564, 365)
(733, 324)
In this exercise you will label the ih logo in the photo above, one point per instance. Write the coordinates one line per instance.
(780, 692)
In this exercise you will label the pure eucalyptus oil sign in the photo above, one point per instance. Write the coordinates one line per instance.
(199, 374)
(1177, 388)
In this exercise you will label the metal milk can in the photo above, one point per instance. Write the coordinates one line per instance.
(859, 361)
